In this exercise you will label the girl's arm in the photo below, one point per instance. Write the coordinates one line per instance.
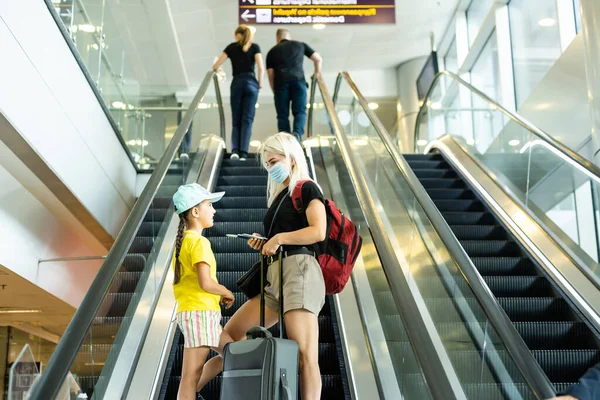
(314, 233)
(208, 284)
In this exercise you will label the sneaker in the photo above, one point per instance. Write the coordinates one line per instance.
(243, 156)
(234, 156)
(184, 157)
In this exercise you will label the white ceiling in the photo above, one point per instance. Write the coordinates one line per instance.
(171, 44)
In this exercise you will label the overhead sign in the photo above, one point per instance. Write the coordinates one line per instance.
(300, 12)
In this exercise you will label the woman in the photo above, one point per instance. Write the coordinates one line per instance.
(303, 284)
(244, 88)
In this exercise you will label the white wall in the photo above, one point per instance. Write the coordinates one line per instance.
(30, 232)
(46, 98)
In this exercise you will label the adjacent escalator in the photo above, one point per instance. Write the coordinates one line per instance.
(242, 211)
(559, 339)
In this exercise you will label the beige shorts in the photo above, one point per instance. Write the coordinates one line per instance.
(303, 285)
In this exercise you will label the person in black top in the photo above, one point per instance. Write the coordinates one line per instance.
(303, 284)
(286, 77)
(245, 85)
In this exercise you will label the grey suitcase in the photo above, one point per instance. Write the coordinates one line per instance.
(261, 367)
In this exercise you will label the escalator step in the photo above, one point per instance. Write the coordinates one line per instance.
(468, 218)
(243, 190)
(244, 171)
(459, 205)
(142, 244)
(149, 229)
(566, 365)
(240, 202)
(422, 157)
(556, 335)
(242, 180)
(125, 281)
(250, 162)
(451, 194)
(428, 164)
(520, 309)
(498, 248)
(446, 183)
(115, 304)
(134, 262)
(222, 244)
(435, 173)
(235, 261)
(105, 327)
(167, 191)
(403, 357)
(497, 266)
(162, 202)
(519, 286)
(156, 214)
(173, 180)
(478, 232)
(241, 215)
(223, 228)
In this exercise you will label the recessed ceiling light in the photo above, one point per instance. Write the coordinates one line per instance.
(255, 143)
(118, 104)
(19, 311)
(422, 142)
(319, 26)
(203, 106)
(87, 28)
(373, 106)
(256, 105)
(436, 105)
(547, 22)
(514, 142)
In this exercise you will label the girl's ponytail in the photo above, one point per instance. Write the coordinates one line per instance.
(179, 241)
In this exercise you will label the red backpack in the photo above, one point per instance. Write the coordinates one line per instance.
(338, 252)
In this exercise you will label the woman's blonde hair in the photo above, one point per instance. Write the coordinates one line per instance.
(288, 146)
(246, 36)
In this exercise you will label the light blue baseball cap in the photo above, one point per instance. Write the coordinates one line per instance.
(188, 196)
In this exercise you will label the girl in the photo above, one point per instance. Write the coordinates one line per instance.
(197, 291)
(303, 284)
(244, 88)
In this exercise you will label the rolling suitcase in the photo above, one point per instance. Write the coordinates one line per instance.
(261, 367)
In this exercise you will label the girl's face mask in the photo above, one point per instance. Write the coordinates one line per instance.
(279, 173)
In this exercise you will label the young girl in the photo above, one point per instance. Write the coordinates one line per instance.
(197, 291)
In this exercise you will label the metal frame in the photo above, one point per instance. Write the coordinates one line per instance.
(66, 351)
(529, 368)
(434, 370)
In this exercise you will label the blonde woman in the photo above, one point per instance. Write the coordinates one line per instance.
(244, 56)
(303, 285)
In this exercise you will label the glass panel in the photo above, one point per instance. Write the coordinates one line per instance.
(535, 42)
(478, 356)
(476, 14)
(451, 58)
(23, 372)
(577, 5)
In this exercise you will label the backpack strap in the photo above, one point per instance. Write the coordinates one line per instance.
(297, 197)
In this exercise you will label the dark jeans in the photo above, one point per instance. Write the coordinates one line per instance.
(244, 93)
(294, 92)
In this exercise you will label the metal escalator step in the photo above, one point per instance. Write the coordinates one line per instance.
(228, 262)
(221, 244)
(499, 248)
(450, 194)
(241, 215)
(478, 232)
(93, 354)
(162, 202)
(428, 164)
(156, 214)
(142, 244)
(115, 304)
(134, 262)
(106, 327)
(243, 190)
(519, 286)
(446, 183)
(173, 180)
(240, 298)
(242, 180)
(422, 157)
(149, 229)
(250, 162)
(458, 205)
(498, 266)
(243, 171)
(464, 363)
(223, 228)
(468, 218)
(240, 202)
(556, 335)
(403, 357)
(167, 191)
(229, 278)
(125, 281)
(566, 365)
(523, 309)
(435, 173)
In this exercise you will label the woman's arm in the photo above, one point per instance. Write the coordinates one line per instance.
(219, 61)
(261, 68)
(314, 233)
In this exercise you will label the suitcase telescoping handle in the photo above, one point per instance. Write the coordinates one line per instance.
(262, 293)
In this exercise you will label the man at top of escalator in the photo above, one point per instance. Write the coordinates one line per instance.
(588, 387)
(286, 76)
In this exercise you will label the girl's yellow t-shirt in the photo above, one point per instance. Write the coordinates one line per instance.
(195, 248)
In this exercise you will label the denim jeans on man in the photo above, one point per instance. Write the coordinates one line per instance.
(294, 92)
(244, 93)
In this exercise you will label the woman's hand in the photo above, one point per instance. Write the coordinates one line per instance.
(256, 244)
(270, 248)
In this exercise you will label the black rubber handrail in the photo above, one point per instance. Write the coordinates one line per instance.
(535, 377)
(50, 381)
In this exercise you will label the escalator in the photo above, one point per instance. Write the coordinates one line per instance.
(561, 342)
(242, 210)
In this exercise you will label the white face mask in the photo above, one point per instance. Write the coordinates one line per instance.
(279, 173)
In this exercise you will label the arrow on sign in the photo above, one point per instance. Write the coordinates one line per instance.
(246, 15)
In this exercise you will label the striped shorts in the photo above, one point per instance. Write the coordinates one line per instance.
(200, 328)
